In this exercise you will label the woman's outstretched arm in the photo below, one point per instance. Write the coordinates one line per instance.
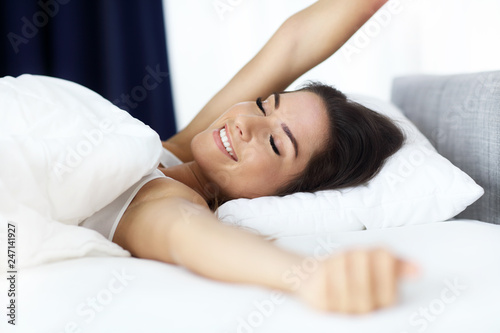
(303, 41)
(174, 225)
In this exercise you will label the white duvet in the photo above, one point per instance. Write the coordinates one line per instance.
(65, 153)
(456, 292)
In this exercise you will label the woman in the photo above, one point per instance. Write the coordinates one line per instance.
(276, 144)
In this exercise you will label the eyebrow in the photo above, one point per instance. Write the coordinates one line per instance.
(276, 100)
(291, 137)
(284, 126)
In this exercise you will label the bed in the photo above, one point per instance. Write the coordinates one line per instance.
(457, 290)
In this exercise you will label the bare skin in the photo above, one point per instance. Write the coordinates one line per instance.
(169, 219)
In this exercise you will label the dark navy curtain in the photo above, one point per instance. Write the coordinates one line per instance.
(114, 47)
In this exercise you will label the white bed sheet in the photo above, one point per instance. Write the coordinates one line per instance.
(135, 295)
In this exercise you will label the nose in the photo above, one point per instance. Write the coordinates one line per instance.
(250, 128)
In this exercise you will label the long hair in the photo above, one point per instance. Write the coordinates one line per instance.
(359, 142)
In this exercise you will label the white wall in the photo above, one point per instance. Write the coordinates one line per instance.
(207, 47)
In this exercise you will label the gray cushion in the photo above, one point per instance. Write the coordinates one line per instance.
(460, 115)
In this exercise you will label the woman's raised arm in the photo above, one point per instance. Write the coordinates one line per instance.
(303, 41)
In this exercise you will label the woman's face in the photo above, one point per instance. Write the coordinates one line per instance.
(268, 143)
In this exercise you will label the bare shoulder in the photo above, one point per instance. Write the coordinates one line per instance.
(164, 188)
(151, 214)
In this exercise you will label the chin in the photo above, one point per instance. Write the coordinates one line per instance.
(246, 193)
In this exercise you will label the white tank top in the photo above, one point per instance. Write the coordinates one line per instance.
(105, 221)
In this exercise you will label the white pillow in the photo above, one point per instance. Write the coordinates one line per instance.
(67, 152)
(416, 185)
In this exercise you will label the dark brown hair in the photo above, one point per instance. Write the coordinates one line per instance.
(360, 140)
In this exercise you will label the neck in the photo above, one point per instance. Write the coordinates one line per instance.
(190, 174)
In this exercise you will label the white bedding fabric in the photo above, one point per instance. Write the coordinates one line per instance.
(66, 152)
(133, 295)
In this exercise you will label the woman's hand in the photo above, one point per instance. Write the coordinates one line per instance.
(356, 281)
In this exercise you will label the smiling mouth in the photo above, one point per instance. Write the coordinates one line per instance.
(226, 143)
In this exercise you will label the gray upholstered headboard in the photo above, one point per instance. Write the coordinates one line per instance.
(460, 115)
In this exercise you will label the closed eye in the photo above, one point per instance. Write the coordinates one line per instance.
(271, 140)
(259, 105)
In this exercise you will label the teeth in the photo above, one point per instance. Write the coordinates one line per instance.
(225, 141)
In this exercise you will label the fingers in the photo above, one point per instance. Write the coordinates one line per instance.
(407, 269)
(361, 287)
(360, 281)
(339, 290)
(384, 277)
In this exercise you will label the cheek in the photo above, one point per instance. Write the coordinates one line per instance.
(233, 111)
(197, 146)
(202, 147)
(221, 178)
(257, 177)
